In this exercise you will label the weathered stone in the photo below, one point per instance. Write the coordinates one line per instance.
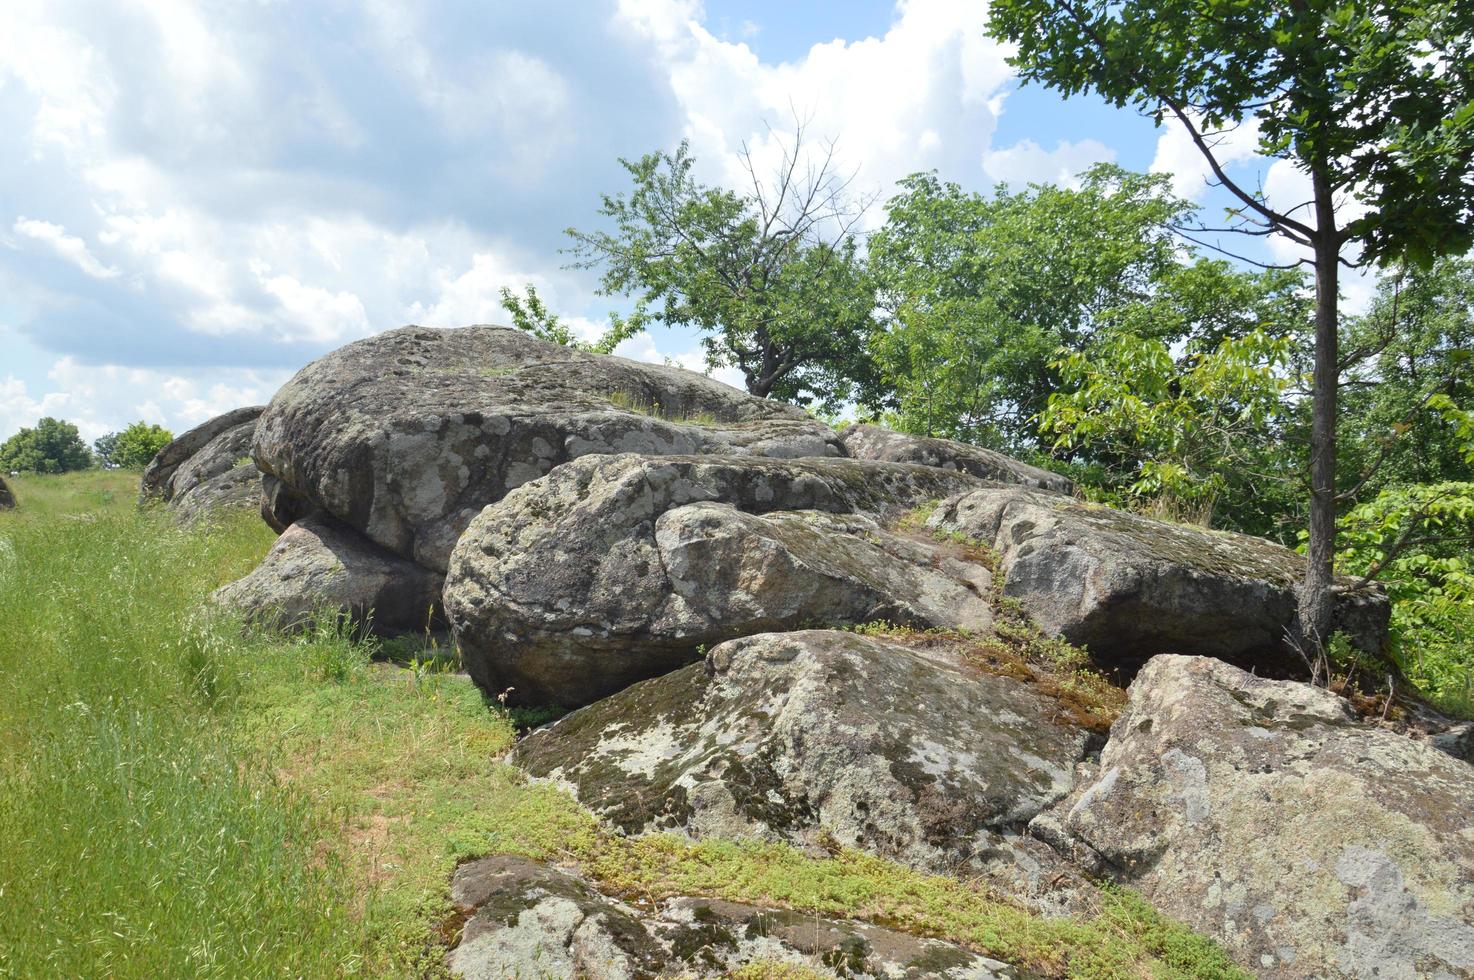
(529, 920)
(1127, 587)
(878, 442)
(319, 567)
(159, 475)
(1262, 813)
(237, 489)
(407, 435)
(616, 568)
(1457, 741)
(819, 736)
(7, 499)
(532, 921)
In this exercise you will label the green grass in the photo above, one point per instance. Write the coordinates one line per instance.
(180, 797)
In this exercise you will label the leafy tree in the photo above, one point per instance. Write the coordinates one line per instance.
(1185, 406)
(52, 446)
(1419, 540)
(530, 315)
(1419, 342)
(979, 293)
(105, 448)
(772, 277)
(1181, 433)
(139, 443)
(1370, 99)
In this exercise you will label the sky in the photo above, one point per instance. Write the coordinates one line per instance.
(198, 198)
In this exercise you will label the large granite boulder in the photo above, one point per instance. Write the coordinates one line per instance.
(407, 435)
(320, 568)
(208, 469)
(7, 499)
(912, 754)
(1265, 814)
(1127, 587)
(878, 442)
(616, 568)
(528, 920)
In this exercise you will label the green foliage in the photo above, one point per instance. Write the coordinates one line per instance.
(105, 447)
(1179, 434)
(772, 279)
(52, 446)
(134, 447)
(979, 293)
(1404, 421)
(1418, 540)
(529, 314)
(1377, 97)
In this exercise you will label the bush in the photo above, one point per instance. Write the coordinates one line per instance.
(134, 447)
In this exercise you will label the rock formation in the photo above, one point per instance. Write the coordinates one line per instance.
(207, 469)
(813, 736)
(1127, 587)
(407, 435)
(1265, 814)
(318, 568)
(528, 920)
(678, 557)
(877, 442)
(616, 568)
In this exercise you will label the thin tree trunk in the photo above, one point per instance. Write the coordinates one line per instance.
(1315, 592)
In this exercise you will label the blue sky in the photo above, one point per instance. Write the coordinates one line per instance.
(197, 198)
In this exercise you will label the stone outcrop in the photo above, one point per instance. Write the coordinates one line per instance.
(1127, 587)
(815, 736)
(616, 568)
(208, 469)
(527, 920)
(320, 568)
(1264, 814)
(407, 435)
(880, 443)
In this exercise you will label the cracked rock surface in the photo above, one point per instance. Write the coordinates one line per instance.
(1264, 814)
(819, 735)
(1128, 587)
(319, 568)
(405, 436)
(616, 568)
(528, 920)
(878, 442)
(208, 469)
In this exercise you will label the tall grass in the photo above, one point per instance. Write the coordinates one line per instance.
(135, 842)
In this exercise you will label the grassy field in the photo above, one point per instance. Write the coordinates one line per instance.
(182, 797)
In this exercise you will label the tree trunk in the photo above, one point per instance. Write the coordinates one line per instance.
(1315, 592)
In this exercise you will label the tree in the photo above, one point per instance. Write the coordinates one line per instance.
(1185, 434)
(1369, 99)
(529, 314)
(135, 446)
(980, 293)
(1418, 337)
(105, 448)
(771, 277)
(51, 447)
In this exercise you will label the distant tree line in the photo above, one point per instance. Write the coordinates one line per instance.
(55, 446)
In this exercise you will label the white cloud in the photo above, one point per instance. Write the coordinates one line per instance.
(103, 398)
(1026, 162)
(1180, 157)
(886, 101)
(69, 247)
